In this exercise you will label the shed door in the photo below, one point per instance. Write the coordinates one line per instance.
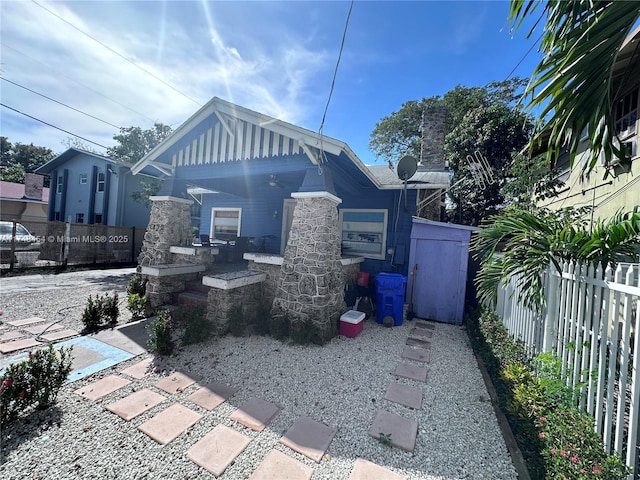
(437, 292)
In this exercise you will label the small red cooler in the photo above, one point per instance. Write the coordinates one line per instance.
(351, 323)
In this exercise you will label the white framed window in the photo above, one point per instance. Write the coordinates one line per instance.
(83, 179)
(100, 185)
(225, 223)
(59, 184)
(364, 232)
(626, 114)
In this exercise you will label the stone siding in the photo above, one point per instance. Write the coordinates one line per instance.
(271, 283)
(220, 304)
(434, 129)
(169, 224)
(160, 290)
(310, 284)
(350, 273)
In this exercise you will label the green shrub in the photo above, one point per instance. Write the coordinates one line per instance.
(137, 285)
(194, 322)
(101, 312)
(138, 305)
(161, 334)
(33, 382)
(237, 321)
(261, 319)
(303, 333)
(279, 327)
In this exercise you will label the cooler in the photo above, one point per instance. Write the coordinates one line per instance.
(351, 323)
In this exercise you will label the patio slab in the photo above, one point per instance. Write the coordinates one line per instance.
(403, 431)
(255, 414)
(421, 332)
(59, 335)
(404, 395)
(91, 356)
(135, 404)
(308, 437)
(15, 345)
(37, 329)
(416, 354)
(175, 383)
(218, 449)
(412, 372)
(102, 387)
(170, 423)
(366, 470)
(281, 466)
(140, 369)
(14, 335)
(418, 342)
(27, 321)
(212, 395)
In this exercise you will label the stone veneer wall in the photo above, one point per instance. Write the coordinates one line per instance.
(310, 284)
(434, 130)
(160, 290)
(221, 302)
(169, 224)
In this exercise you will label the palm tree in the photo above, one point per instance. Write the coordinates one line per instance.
(574, 83)
(533, 241)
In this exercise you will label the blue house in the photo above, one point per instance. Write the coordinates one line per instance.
(92, 189)
(254, 163)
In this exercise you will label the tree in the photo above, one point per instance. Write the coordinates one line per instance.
(573, 85)
(134, 143)
(74, 142)
(19, 158)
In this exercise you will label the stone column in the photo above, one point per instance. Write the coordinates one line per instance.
(310, 286)
(169, 225)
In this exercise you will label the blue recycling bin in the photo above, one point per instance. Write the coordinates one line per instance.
(390, 296)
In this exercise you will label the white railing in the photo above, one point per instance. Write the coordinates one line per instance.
(590, 322)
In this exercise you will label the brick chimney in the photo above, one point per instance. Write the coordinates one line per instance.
(33, 186)
(434, 129)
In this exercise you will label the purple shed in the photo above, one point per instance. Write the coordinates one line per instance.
(438, 262)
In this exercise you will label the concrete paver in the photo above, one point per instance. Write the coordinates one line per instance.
(404, 395)
(15, 345)
(170, 423)
(403, 431)
(421, 332)
(255, 414)
(416, 354)
(366, 470)
(37, 329)
(135, 404)
(212, 395)
(59, 335)
(423, 324)
(412, 372)
(308, 437)
(218, 449)
(175, 383)
(27, 321)
(101, 388)
(278, 465)
(5, 337)
(418, 342)
(140, 369)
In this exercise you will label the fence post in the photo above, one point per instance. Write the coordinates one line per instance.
(12, 250)
(549, 316)
(65, 245)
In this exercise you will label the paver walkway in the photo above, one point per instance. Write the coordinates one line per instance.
(33, 332)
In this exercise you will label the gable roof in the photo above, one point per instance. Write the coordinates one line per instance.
(68, 154)
(233, 121)
(15, 191)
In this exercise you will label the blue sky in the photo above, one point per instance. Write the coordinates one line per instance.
(274, 57)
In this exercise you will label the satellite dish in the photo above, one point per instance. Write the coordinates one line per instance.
(407, 167)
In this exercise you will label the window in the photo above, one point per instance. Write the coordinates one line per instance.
(364, 232)
(79, 217)
(100, 187)
(59, 184)
(56, 216)
(98, 218)
(626, 115)
(83, 179)
(225, 223)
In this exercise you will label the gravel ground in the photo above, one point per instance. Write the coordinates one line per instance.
(341, 384)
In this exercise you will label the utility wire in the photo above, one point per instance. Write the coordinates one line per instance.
(53, 126)
(118, 54)
(525, 56)
(333, 81)
(76, 81)
(60, 103)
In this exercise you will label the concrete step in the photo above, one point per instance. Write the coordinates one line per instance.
(191, 298)
(197, 286)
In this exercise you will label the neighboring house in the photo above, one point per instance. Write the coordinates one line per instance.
(620, 189)
(28, 202)
(93, 189)
(258, 166)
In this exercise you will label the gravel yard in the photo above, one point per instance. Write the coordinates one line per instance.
(342, 384)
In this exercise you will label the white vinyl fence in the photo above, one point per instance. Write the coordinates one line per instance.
(590, 322)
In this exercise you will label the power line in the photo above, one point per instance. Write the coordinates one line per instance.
(525, 56)
(61, 103)
(53, 126)
(118, 54)
(78, 82)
